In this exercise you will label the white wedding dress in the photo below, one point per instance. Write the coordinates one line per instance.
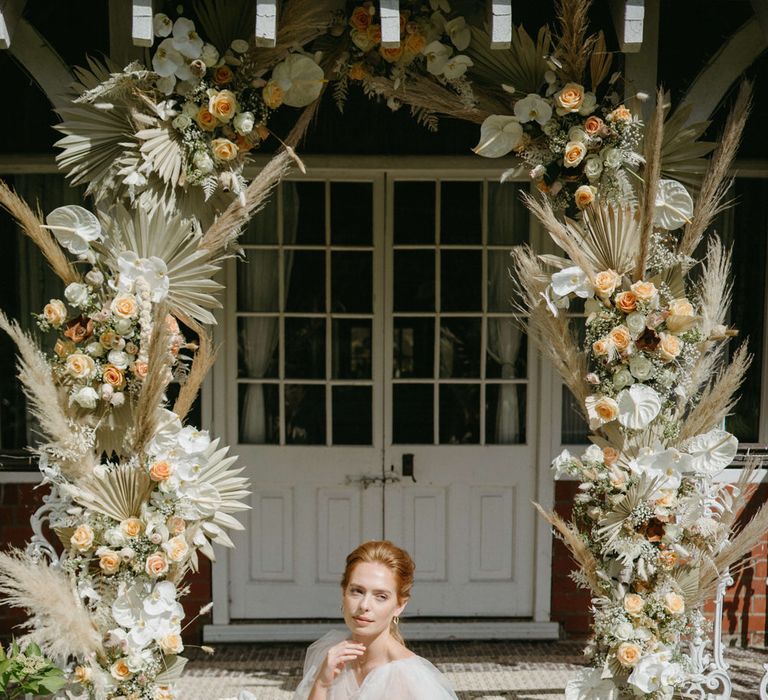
(413, 678)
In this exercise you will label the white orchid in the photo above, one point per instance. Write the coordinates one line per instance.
(459, 32)
(167, 60)
(162, 24)
(656, 672)
(456, 66)
(437, 56)
(554, 303)
(193, 441)
(152, 270)
(668, 466)
(572, 280)
(499, 134)
(186, 39)
(533, 108)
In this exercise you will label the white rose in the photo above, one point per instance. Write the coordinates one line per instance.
(593, 167)
(209, 55)
(612, 158)
(190, 109)
(106, 391)
(94, 349)
(243, 122)
(592, 454)
(94, 277)
(181, 122)
(123, 326)
(588, 104)
(635, 323)
(623, 378)
(118, 358)
(576, 133)
(203, 162)
(641, 368)
(86, 397)
(76, 294)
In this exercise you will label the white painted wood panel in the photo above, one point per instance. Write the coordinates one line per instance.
(424, 531)
(390, 23)
(501, 24)
(492, 534)
(141, 23)
(628, 18)
(272, 542)
(338, 531)
(266, 23)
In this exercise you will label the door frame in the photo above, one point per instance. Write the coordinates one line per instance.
(216, 399)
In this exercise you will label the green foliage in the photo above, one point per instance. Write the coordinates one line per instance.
(28, 671)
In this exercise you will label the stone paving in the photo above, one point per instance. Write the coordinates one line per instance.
(493, 670)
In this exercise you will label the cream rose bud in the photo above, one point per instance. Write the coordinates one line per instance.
(109, 561)
(76, 294)
(584, 196)
(176, 548)
(593, 167)
(80, 366)
(82, 538)
(633, 603)
(203, 162)
(606, 281)
(55, 312)
(244, 122)
(645, 291)
(669, 347)
(95, 349)
(674, 603)
(120, 670)
(641, 368)
(623, 378)
(574, 153)
(127, 553)
(181, 122)
(635, 323)
(171, 644)
(628, 654)
(612, 157)
(85, 397)
(681, 307)
(156, 565)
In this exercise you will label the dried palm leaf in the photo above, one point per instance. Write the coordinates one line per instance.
(571, 537)
(118, 493)
(612, 525)
(599, 62)
(651, 174)
(682, 154)
(611, 236)
(162, 149)
(736, 496)
(58, 621)
(574, 46)
(714, 188)
(202, 363)
(31, 224)
(222, 22)
(522, 66)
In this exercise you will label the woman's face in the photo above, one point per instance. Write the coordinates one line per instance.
(370, 599)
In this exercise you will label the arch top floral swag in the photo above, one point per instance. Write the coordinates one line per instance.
(137, 494)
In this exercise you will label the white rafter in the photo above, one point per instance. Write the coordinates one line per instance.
(501, 24)
(266, 23)
(10, 13)
(628, 17)
(390, 23)
(141, 23)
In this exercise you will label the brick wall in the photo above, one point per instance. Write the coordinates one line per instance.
(19, 501)
(744, 611)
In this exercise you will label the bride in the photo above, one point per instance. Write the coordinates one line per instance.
(371, 661)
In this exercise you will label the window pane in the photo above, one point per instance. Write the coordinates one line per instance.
(412, 414)
(505, 414)
(414, 275)
(459, 414)
(507, 356)
(461, 206)
(258, 281)
(305, 280)
(304, 414)
(502, 296)
(460, 347)
(414, 347)
(414, 212)
(352, 415)
(508, 222)
(259, 414)
(262, 229)
(351, 213)
(575, 429)
(305, 348)
(352, 282)
(351, 349)
(307, 209)
(461, 282)
(257, 347)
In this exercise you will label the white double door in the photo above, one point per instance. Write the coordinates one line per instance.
(386, 344)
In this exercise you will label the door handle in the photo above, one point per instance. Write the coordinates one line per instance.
(368, 479)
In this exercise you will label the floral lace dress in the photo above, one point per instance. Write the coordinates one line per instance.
(413, 678)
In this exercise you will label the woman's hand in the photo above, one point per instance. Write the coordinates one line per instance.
(337, 657)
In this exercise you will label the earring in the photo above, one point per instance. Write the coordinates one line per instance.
(396, 619)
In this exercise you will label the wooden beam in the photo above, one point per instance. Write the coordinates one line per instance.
(390, 23)
(628, 17)
(761, 12)
(141, 24)
(266, 23)
(501, 24)
(10, 14)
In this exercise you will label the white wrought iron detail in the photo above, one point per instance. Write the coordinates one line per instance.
(711, 679)
(38, 545)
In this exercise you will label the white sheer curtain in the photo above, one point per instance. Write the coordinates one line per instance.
(504, 335)
(258, 283)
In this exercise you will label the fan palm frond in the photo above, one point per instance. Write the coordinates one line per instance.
(611, 526)
(161, 148)
(118, 493)
(682, 154)
(611, 236)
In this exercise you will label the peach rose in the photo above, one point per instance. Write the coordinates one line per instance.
(79, 329)
(223, 75)
(205, 120)
(272, 94)
(64, 347)
(584, 196)
(176, 525)
(223, 105)
(668, 557)
(82, 674)
(606, 409)
(140, 369)
(131, 527)
(606, 282)
(620, 337)
(157, 565)
(628, 654)
(644, 291)
(176, 548)
(593, 125)
(357, 71)
(374, 33)
(601, 347)
(610, 455)
(160, 470)
(109, 562)
(681, 307)
(391, 55)
(633, 603)
(669, 346)
(620, 114)
(360, 19)
(243, 143)
(574, 153)
(223, 149)
(626, 302)
(80, 366)
(171, 644)
(54, 312)
(82, 538)
(113, 376)
(569, 99)
(124, 306)
(120, 670)
(674, 604)
(414, 43)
